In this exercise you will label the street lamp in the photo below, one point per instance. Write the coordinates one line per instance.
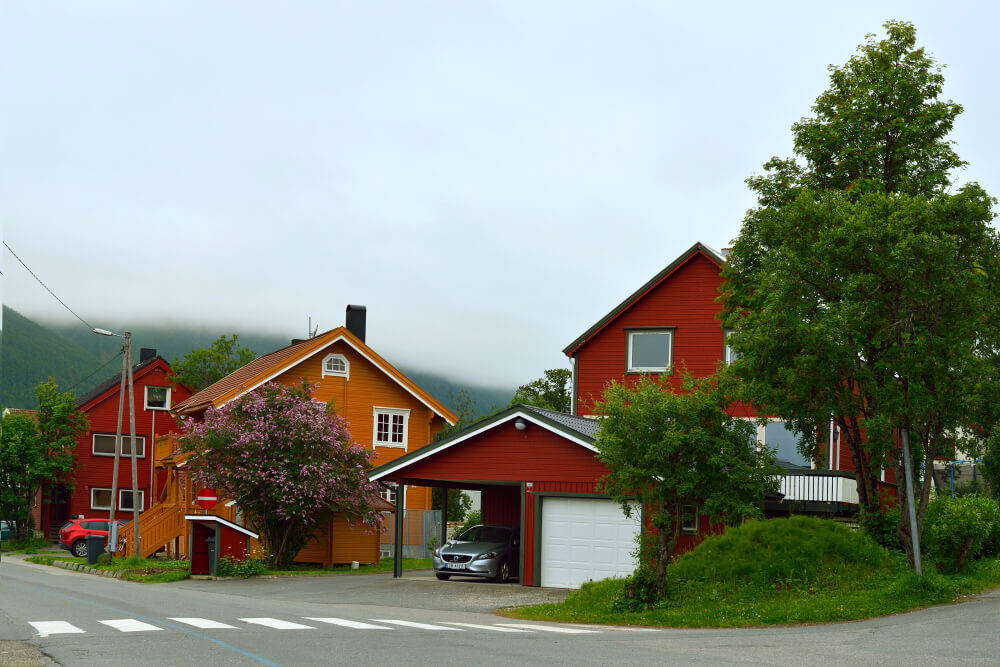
(126, 375)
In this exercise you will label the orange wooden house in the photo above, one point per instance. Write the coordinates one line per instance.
(384, 410)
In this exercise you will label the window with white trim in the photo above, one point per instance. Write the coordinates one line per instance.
(336, 365)
(157, 398)
(389, 494)
(100, 499)
(689, 520)
(125, 499)
(650, 350)
(731, 355)
(390, 427)
(104, 445)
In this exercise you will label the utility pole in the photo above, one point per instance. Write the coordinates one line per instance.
(135, 470)
(112, 533)
(904, 436)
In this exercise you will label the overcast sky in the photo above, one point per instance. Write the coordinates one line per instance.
(488, 178)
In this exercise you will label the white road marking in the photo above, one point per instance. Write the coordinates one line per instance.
(129, 625)
(277, 624)
(411, 624)
(495, 628)
(205, 623)
(46, 628)
(548, 628)
(358, 625)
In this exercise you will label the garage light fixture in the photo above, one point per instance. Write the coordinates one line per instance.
(520, 424)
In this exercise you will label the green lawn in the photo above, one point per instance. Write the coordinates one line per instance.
(385, 565)
(146, 570)
(775, 572)
(32, 545)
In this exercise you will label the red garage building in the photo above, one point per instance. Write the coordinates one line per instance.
(538, 471)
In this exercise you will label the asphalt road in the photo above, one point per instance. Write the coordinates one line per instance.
(371, 619)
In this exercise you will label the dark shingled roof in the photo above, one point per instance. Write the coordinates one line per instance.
(113, 382)
(582, 425)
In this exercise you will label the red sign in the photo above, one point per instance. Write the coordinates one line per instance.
(206, 499)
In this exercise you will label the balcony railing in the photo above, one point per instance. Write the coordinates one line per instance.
(819, 486)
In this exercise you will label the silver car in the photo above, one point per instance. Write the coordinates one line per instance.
(480, 551)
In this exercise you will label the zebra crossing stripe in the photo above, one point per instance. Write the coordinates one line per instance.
(46, 628)
(277, 624)
(495, 628)
(412, 624)
(205, 623)
(129, 625)
(357, 625)
(549, 628)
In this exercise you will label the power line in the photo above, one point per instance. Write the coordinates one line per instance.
(102, 367)
(87, 324)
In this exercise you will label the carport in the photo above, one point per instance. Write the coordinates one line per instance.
(538, 471)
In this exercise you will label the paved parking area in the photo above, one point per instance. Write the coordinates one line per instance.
(417, 589)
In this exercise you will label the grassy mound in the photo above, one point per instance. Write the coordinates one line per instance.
(775, 572)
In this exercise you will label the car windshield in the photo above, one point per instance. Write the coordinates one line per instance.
(484, 534)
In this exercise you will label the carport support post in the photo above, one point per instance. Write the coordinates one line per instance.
(444, 519)
(397, 559)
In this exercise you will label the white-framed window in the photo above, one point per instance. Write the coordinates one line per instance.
(389, 494)
(390, 427)
(779, 437)
(157, 398)
(650, 350)
(125, 499)
(104, 445)
(336, 365)
(100, 498)
(731, 355)
(689, 520)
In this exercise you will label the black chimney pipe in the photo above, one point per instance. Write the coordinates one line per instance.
(355, 321)
(146, 353)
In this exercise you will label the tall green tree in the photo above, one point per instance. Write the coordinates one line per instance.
(551, 391)
(860, 289)
(459, 503)
(204, 366)
(37, 451)
(666, 450)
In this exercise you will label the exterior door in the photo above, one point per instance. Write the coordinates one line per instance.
(586, 539)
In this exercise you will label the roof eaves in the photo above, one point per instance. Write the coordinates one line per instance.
(617, 310)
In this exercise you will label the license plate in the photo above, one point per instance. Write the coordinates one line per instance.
(457, 566)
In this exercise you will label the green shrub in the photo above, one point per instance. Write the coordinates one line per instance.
(881, 527)
(230, 567)
(639, 591)
(473, 518)
(959, 529)
(104, 559)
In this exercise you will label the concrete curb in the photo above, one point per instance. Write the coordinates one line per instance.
(84, 569)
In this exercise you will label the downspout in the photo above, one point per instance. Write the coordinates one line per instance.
(572, 406)
(831, 443)
(151, 456)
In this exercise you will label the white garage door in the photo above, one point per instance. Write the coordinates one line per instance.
(586, 539)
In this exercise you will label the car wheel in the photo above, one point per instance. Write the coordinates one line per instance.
(442, 577)
(79, 549)
(503, 572)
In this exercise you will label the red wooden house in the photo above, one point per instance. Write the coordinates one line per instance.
(537, 468)
(91, 494)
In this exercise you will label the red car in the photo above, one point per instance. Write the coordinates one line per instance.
(73, 536)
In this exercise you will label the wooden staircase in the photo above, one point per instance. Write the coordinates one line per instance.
(158, 526)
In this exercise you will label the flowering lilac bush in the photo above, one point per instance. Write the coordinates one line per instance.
(287, 460)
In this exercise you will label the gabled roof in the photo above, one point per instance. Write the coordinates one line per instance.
(113, 382)
(697, 248)
(269, 366)
(578, 430)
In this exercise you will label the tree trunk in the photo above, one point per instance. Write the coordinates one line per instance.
(963, 555)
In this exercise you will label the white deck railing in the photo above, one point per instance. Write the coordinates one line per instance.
(823, 486)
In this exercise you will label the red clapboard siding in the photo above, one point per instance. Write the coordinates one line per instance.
(502, 506)
(96, 471)
(504, 454)
(685, 301)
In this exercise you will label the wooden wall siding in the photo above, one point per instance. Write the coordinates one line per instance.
(684, 301)
(352, 542)
(502, 506)
(504, 454)
(354, 399)
(96, 471)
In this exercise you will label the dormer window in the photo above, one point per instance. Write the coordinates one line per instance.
(336, 365)
(157, 398)
(650, 350)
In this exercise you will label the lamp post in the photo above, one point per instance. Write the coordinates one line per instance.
(126, 377)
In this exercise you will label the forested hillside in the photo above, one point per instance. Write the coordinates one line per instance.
(31, 353)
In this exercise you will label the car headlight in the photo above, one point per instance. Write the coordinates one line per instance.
(487, 556)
